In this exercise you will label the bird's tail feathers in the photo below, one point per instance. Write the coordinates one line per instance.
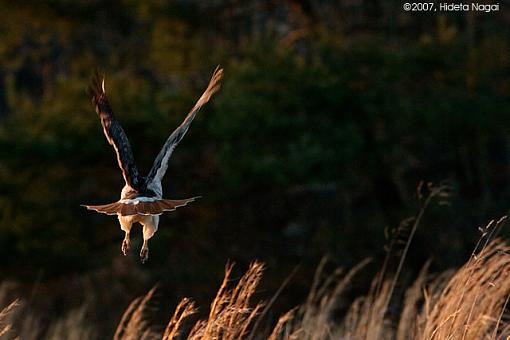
(156, 207)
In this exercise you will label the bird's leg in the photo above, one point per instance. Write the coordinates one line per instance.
(126, 243)
(150, 225)
(144, 252)
(125, 224)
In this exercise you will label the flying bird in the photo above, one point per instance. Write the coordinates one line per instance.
(141, 199)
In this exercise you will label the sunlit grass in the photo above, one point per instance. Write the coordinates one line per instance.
(467, 303)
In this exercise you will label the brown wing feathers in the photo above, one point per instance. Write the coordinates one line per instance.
(161, 162)
(142, 208)
(114, 132)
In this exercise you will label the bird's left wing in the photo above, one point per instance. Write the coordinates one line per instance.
(160, 164)
(114, 132)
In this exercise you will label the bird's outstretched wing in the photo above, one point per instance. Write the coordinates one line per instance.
(161, 162)
(114, 132)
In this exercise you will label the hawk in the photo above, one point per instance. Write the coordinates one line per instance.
(141, 199)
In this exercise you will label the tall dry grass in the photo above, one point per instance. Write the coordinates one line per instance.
(470, 303)
(467, 303)
(133, 324)
(230, 315)
(473, 302)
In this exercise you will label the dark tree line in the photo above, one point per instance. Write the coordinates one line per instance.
(330, 114)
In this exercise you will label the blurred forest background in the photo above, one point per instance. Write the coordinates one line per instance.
(330, 114)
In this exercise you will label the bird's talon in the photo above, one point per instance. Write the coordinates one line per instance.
(125, 246)
(144, 255)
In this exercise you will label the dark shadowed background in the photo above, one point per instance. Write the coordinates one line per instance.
(330, 114)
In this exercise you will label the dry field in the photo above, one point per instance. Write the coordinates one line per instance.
(467, 303)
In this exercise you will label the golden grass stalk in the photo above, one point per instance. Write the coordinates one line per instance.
(409, 317)
(280, 331)
(314, 319)
(5, 325)
(440, 192)
(184, 309)
(72, 326)
(230, 315)
(366, 316)
(254, 332)
(133, 324)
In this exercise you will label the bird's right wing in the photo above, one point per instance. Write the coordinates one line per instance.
(160, 164)
(114, 133)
